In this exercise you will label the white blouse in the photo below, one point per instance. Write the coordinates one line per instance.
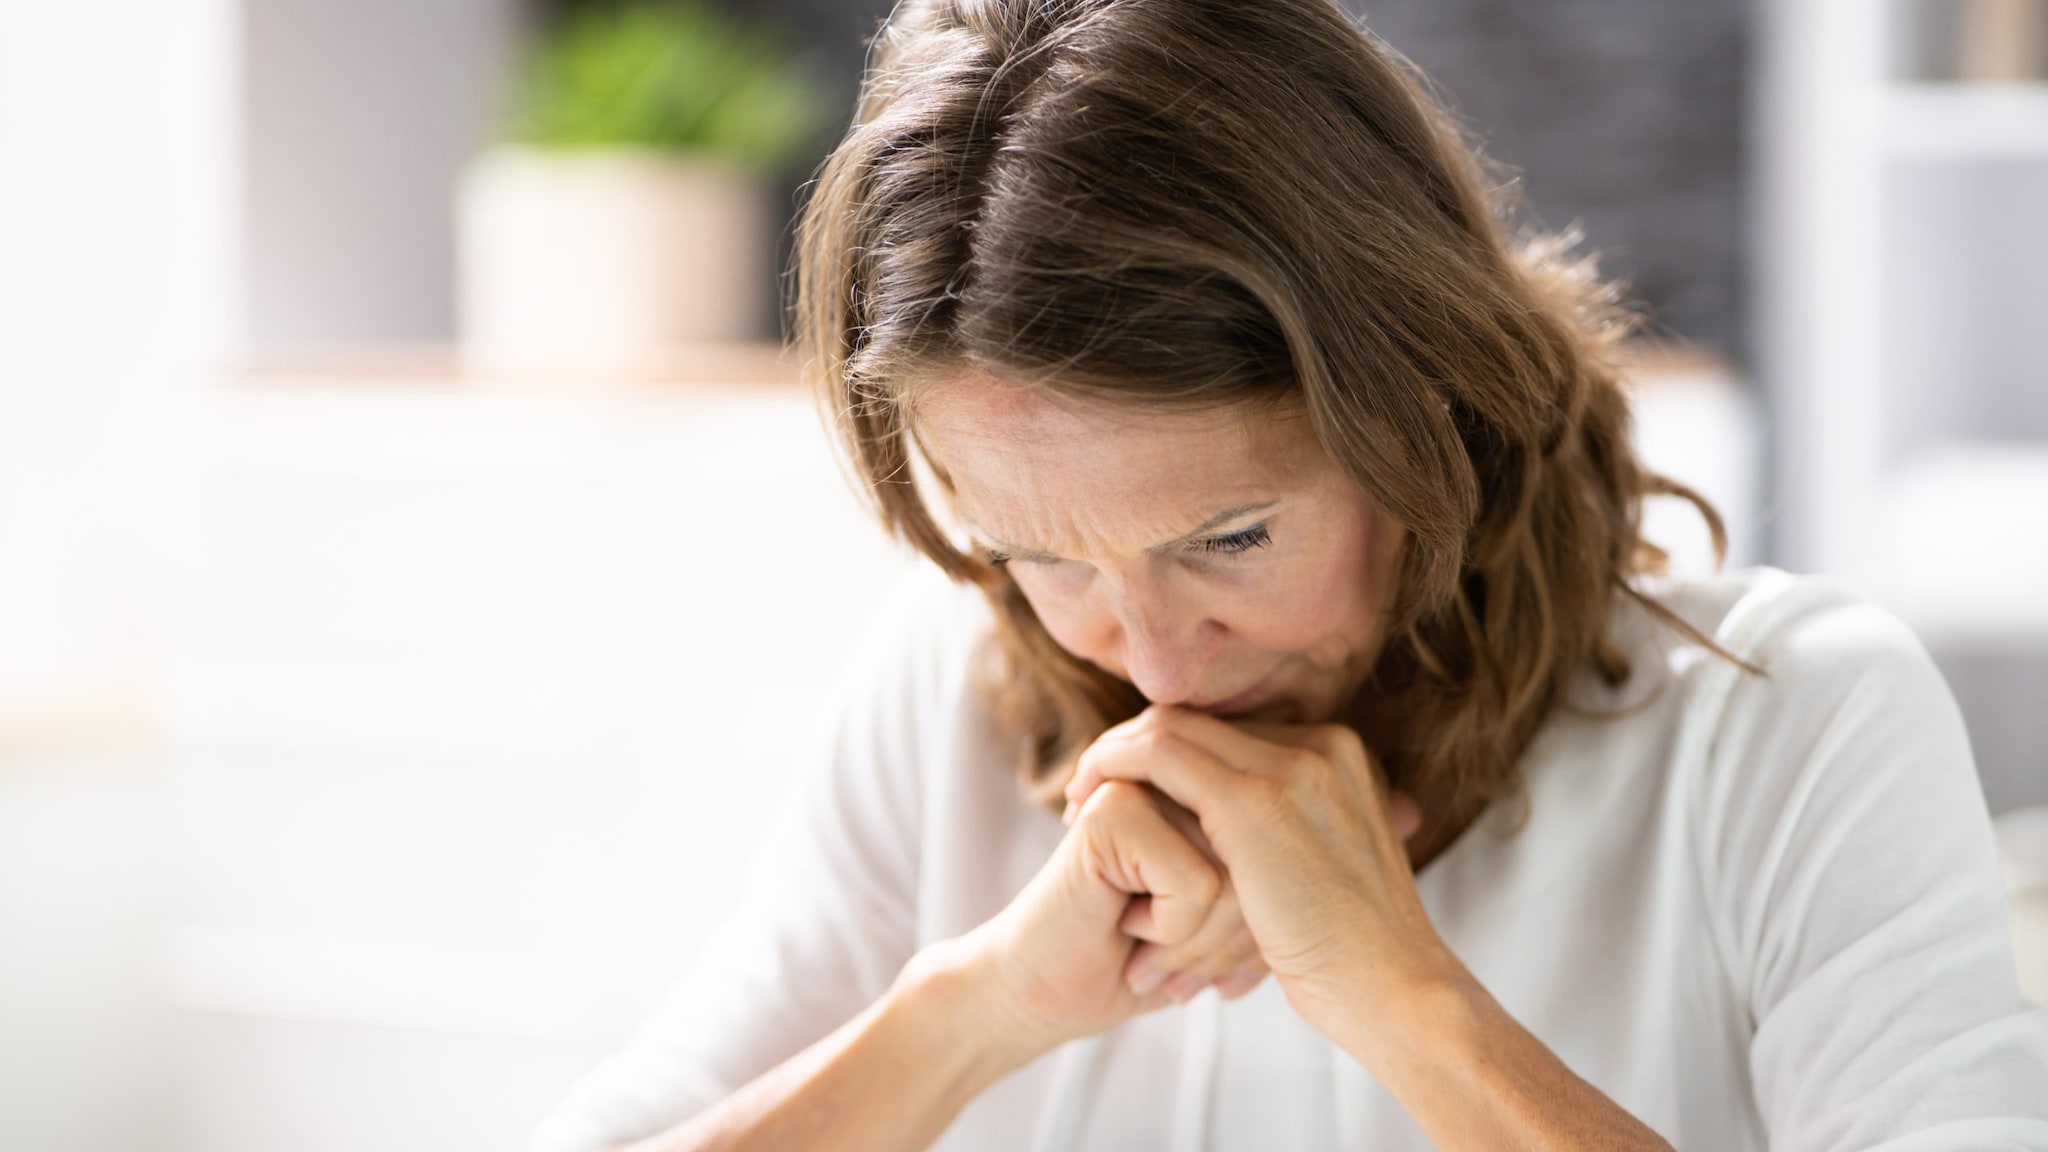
(1755, 913)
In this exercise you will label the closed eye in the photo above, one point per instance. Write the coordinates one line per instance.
(1236, 543)
(999, 558)
(1255, 536)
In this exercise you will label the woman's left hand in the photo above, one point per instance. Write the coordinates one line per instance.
(1301, 818)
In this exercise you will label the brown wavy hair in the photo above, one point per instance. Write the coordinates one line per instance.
(1193, 203)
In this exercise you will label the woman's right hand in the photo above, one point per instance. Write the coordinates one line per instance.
(1051, 966)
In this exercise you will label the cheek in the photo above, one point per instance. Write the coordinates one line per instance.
(1289, 616)
(1318, 600)
(1062, 605)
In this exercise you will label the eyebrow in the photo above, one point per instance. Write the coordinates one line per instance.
(1209, 525)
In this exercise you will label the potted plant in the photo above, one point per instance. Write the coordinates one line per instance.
(629, 210)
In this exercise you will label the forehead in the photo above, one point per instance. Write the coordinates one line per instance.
(975, 422)
(1085, 478)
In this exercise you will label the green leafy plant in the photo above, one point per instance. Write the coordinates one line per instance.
(667, 74)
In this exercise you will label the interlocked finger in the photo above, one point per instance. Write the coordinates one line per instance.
(1131, 844)
(1220, 950)
(1220, 947)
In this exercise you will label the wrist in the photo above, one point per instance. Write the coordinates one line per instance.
(1435, 1024)
(1471, 1076)
(955, 1004)
(1386, 1017)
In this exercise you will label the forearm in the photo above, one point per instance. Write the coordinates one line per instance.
(1474, 1078)
(893, 1077)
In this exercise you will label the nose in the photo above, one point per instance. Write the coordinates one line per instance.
(1167, 646)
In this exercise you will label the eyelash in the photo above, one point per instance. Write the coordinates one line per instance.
(1234, 544)
(1255, 536)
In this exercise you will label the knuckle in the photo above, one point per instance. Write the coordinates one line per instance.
(1341, 739)
(1296, 762)
(1265, 796)
(1152, 720)
(1115, 799)
(1151, 741)
(1152, 727)
(1085, 766)
(1225, 902)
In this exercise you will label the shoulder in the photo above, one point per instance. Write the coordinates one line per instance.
(1845, 743)
(1817, 644)
(1827, 679)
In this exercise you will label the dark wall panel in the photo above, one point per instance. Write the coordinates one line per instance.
(1622, 115)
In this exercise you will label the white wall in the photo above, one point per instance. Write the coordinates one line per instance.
(475, 701)
(117, 187)
(117, 196)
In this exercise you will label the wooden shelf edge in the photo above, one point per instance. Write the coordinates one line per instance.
(442, 367)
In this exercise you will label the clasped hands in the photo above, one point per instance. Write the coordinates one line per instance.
(1208, 850)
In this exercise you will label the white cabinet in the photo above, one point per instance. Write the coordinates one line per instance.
(1902, 291)
(475, 701)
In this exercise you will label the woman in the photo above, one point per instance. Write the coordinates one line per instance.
(1288, 617)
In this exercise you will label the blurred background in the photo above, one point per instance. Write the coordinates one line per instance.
(417, 559)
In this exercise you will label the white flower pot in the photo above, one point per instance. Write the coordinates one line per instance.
(608, 261)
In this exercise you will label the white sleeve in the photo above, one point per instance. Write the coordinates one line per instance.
(827, 919)
(1854, 877)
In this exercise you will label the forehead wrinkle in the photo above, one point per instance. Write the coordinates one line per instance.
(1211, 524)
(1063, 472)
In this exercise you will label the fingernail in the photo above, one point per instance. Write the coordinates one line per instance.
(1145, 980)
(1185, 986)
(1236, 983)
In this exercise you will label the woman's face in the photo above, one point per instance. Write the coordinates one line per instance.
(1218, 560)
